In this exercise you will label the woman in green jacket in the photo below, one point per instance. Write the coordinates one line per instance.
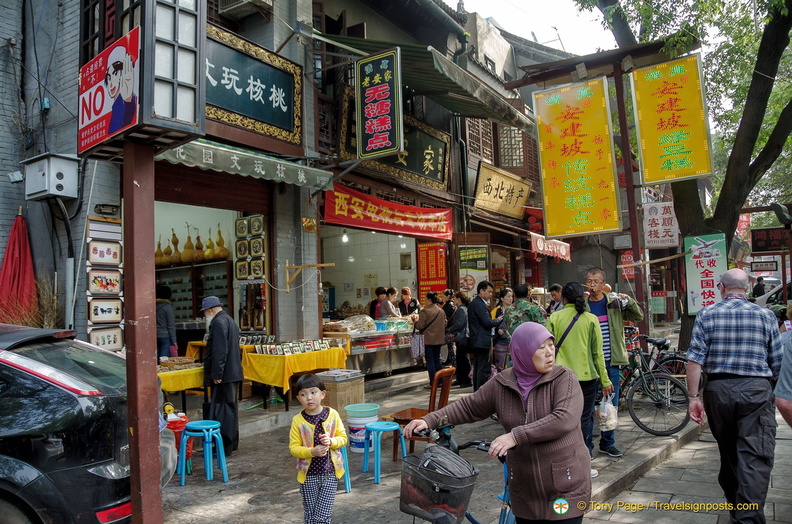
(579, 348)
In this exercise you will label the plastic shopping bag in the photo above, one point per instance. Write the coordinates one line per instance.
(606, 414)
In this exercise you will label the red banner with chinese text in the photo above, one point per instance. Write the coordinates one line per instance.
(352, 208)
(432, 272)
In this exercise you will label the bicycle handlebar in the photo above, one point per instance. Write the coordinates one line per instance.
(442, 437)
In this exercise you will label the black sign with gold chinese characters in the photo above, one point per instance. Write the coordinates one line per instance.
(424, 159)
(378, 104)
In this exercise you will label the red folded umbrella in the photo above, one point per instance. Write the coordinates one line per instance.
(18, 297)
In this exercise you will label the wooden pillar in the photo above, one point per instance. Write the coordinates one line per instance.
(632, 208)
(137, 192)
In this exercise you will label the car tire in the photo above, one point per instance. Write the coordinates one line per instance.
(12, 514)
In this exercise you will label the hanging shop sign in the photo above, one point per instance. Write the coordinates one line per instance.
(764, 265)
(625, 259)
(352, 208)
(206, 154)
(550, 248)
(660, 225)
(251, 87)
(473, 268)
(502, 192)
(378, 104)
(769, 240)
(705, 263)
(577, 160)
(672, 121)
(424, 159)
(108, 92)
(432, 267)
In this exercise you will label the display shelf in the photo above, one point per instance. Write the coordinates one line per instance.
(188, 285)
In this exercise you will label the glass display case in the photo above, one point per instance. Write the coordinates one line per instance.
(189, 283)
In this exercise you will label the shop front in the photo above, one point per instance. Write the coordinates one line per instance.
(378, 243)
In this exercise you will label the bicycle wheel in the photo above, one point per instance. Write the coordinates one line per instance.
(674, 365)
(658, 404)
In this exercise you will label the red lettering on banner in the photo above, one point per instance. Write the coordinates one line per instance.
(382, 123)
(382, 107)
(378, 141)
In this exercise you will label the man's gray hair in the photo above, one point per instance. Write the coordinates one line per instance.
(735, 279)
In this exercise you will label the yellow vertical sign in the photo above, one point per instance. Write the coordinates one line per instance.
(576, 158)
(672, 121)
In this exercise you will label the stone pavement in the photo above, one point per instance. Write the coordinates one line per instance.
(263, 487)
(690, 476)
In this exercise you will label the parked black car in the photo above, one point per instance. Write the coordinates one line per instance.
(64, 450)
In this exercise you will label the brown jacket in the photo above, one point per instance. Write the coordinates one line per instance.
(550, 460)
(431, 323)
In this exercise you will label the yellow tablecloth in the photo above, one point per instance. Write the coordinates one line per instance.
(182, 379)
(195, 350)
(275, 370)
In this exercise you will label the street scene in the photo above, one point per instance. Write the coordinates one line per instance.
(417, 260)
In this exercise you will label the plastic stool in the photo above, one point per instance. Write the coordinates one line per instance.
(375, 430)
(347, 479)
(210, 431)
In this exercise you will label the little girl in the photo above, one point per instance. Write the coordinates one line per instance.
(316, 437)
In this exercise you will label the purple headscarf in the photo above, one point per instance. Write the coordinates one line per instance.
(525, 340)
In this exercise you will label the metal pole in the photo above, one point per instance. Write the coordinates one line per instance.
(137, 191)
(632, 210)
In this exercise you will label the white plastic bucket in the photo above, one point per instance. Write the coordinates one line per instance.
(356, 430)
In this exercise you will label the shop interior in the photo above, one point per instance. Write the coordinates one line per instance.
(363, 261)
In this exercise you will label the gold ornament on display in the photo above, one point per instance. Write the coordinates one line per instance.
(176, 257)
(199, 255)
(189, 248)
(209, 252)
(220, 251)
(158, 253)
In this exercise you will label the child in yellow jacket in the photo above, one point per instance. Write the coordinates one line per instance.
(316, 438)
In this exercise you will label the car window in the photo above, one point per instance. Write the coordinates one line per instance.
(101, 369)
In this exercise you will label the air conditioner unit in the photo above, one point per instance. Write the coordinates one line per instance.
(51, 175)
(242, 8)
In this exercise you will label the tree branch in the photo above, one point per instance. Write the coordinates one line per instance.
(775, 144)
(617, 21)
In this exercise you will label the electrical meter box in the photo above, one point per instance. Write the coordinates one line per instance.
(51, 175)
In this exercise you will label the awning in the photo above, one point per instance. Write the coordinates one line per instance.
(428, 72)
(209, 155)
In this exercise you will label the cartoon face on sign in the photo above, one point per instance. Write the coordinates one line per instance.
(120, 85)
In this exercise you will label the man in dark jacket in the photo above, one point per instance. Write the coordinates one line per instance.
(481, 324)
(223, 371)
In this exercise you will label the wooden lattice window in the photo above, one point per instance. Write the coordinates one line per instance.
(479, 138)
(511, 151)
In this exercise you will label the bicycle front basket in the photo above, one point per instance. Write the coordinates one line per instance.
(437, 485)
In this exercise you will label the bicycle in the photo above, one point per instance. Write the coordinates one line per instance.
(656, 400)
(442, 437)
(660, 355)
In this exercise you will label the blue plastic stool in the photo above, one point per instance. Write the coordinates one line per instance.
(375, 430)
(347, 479)
(210, 431)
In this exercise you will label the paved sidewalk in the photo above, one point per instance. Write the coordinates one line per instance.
(690, 476)
(263, 487)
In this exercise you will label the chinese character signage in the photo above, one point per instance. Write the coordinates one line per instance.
(378, 104)
(660, 225)
(108, 92)
(769, 240)
(352, 208)
(251, 87)
(206, 154)
(550, 248)
(502, 192)
(576, 158)
(424, 159)
(704, 265)
(473, 264)
(672, 121)
(432, 272)
(764, 265)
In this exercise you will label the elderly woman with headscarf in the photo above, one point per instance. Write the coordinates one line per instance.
(538, 403)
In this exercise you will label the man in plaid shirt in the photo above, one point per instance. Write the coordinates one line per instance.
(737, 344)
